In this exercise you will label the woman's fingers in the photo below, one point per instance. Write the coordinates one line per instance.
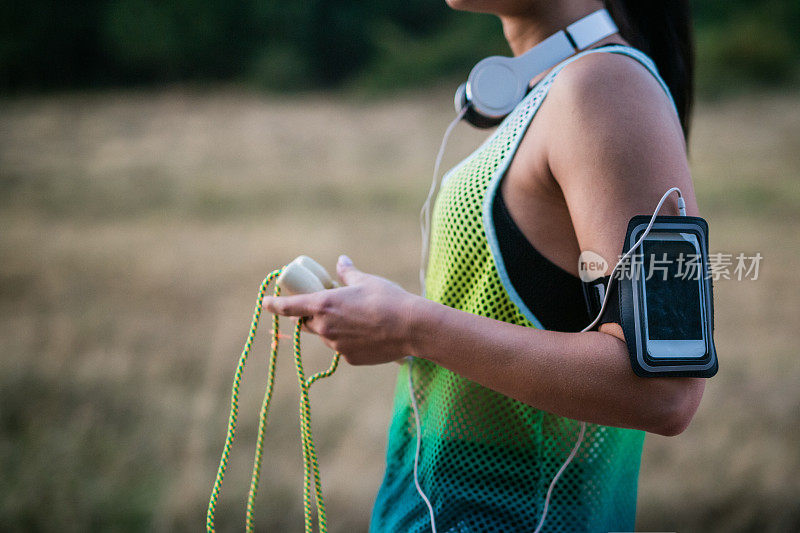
(348, 273)
(299, 305)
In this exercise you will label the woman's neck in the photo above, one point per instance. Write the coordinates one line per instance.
(525, 30)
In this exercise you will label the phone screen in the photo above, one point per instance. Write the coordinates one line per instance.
(672, 290)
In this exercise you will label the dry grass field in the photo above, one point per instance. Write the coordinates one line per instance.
(135, 228)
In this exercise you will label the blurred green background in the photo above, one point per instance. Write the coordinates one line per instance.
(323, 44)
(158, 158)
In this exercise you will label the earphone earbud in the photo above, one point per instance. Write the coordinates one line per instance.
(497, 84)
(304, 275)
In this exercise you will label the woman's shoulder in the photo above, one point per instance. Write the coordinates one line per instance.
(599, 69)
(610, 100)
(613, 86)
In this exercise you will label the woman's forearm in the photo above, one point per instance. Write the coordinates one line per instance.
(584, 376)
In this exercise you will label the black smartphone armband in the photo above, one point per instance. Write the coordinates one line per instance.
(667, 320)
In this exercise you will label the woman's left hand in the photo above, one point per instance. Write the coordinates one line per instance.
(368, 321)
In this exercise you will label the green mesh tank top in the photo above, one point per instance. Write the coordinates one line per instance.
(487, 460)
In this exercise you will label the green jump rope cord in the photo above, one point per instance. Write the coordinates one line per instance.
(310, 463)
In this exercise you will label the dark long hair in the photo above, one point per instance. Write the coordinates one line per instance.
(662, 29)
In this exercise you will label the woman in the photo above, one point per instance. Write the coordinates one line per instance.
(503, 382)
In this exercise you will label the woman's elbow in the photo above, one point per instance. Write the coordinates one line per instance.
(677, 407)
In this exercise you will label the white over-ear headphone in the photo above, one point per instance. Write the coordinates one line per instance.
(497, 84)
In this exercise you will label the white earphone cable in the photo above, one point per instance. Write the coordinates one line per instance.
(425, 212)
(413, 395)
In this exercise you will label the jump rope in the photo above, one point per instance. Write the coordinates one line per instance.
(310, 463)
(306, 275)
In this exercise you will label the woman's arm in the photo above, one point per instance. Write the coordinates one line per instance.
(613, 153)
(585, 376)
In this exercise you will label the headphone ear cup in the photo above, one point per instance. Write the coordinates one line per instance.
(460, 101)
(481, 121)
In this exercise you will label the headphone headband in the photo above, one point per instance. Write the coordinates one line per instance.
(497, 84)
(591, 28)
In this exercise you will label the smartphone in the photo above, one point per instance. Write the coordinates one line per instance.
(670, 280)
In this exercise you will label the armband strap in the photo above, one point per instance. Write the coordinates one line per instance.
(593, 293)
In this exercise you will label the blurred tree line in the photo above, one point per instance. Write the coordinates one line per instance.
(313, 44)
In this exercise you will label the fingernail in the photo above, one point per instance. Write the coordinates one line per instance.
(345, 261)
